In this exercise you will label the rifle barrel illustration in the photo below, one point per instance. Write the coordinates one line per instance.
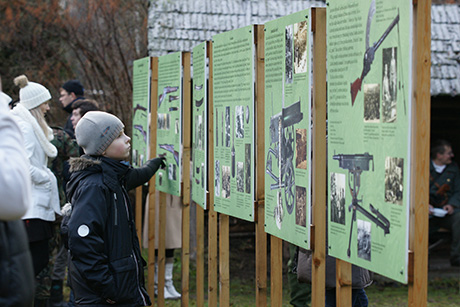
(369, 55)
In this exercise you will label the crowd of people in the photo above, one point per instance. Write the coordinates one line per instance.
(85, 164)
(47, 170)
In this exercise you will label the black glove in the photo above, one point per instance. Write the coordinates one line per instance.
(156, 163)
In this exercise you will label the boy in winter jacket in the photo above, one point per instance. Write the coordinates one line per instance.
(106, 267)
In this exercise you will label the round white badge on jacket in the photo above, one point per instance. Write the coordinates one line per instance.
(83, 231)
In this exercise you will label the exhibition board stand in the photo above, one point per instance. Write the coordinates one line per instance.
(212, 214)
(182, 127)
(398, 216)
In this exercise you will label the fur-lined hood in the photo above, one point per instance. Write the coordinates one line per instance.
(81, 163)
(108, 172)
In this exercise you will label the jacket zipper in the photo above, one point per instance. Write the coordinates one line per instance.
(137, 279)
(116, 210)
(134, 254)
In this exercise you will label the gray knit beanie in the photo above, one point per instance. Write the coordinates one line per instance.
(96, 131)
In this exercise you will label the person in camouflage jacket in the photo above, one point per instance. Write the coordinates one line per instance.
(50, 280)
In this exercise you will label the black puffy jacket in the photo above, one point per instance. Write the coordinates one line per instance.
(16, 269)
(106, 261)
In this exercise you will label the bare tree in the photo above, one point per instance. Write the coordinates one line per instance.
(94, 41)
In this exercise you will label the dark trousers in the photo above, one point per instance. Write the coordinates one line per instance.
(358, 298)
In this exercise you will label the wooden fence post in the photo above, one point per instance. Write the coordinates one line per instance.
(319, 180)
(421, 149)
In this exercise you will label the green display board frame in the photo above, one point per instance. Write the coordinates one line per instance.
(234, 124)
(200, 126)
(141, 111)
(288, 129)
(369, 133)
(169, 125)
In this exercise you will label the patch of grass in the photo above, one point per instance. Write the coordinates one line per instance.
(443, 292)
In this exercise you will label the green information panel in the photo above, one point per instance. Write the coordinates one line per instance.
(369, 45)
(200, 126)
(141, 109)
(287, 128)
(169, 126)
(233, 70)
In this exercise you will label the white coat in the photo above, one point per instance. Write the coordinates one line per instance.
(45, 197)
(14, 174)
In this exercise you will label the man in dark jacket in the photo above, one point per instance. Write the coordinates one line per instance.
(445, 195)
(106, 265)
(70, 92)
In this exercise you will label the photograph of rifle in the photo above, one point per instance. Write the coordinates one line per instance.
(170, 148)
(166, 90)
(141, 130)
(370, 51)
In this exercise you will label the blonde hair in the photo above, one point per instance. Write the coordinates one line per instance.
(40, 117)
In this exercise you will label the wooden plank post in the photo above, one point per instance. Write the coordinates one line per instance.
(161, 250)
(261, 236)
(421, 149)
(212, 215)
(319, 180)
(276, 271)
(224, 260)
(153, 153)
(187, 147)
(199, 256)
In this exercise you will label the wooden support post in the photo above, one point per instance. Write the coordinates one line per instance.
(212, 215)
(199, 256)
(161, 250)
(224, 259)
(187, 145)
(421, 149)
(276, 271)
(343, 283)
(261, 256)
(261, 236)
(153, 153)
(185, 255)
(319, 180)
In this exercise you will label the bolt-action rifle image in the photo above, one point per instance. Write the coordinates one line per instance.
(167, 90)
(370, 50)
(356, 164)
(142, 131)
(282, 141)
(170, 148)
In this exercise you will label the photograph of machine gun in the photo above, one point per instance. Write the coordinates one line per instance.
(170, 148)
(356, 164)
(167, 90)
(370, 50)
(282, 142)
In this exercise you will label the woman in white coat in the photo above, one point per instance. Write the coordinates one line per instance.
(30, 117)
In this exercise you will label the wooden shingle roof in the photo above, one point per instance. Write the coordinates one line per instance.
(445, 50)
(180, 25)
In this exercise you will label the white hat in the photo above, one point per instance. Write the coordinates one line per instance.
(31, 94)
